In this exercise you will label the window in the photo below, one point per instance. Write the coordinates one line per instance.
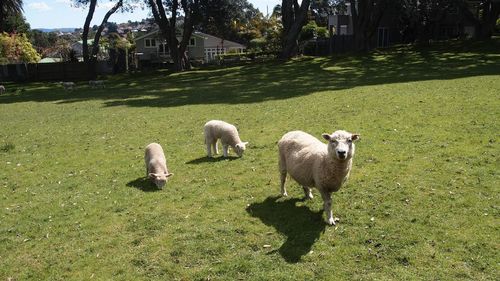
(163, 49)
(211, 53)
(192, 42)
(150, 43)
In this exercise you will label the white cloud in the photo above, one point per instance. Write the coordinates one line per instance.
(40, 6)
(64, 1)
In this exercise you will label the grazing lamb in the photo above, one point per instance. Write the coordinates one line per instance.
(314, 164)
(228, 136)
(156, 165)
(2, 89)
(97, 84)
(69, 86)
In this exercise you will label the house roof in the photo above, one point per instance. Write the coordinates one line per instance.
(215, 38)
(50, 60)
(197, 34)
(154, 31)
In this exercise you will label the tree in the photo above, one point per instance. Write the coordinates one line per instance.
(293, 17)
(9, 8)
(235, 20)
(366, 16)
(168, 26)
(90, 56)
(484, 14)
(16, 23)
(16, 48)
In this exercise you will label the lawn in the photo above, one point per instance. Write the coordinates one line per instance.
(422, 202)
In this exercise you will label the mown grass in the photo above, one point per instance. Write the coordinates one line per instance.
(422, 202)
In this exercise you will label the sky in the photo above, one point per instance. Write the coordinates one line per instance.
(61, 13)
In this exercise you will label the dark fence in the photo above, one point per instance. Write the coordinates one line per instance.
(59, 71)
(328, 46)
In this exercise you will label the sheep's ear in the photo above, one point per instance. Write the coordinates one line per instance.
(152, 175)
(245, 143)
(355, 137)
(327, 137)
(169, 175)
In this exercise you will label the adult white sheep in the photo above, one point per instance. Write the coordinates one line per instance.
(156, 165)
(315, 164)
(228, 135)
(2, 89)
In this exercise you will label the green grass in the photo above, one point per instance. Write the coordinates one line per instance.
(422, 202)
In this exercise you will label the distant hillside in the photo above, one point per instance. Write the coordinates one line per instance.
(66, 29)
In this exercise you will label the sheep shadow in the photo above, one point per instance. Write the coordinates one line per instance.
(143, 184)
(206, 159)
(301, 226)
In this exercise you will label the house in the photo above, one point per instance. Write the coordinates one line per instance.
(152, 47)
(450, 24)
(77, 48)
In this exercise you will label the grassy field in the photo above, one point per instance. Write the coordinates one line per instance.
(422, 202)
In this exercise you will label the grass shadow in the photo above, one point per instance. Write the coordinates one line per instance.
(206, 159)
(278, 80)
(143, 184)
(301, 226)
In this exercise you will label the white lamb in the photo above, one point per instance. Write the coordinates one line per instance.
(2, 89)
(69, 86)
(97, 84)
(228, 136)
(156, 165)
(315, 164)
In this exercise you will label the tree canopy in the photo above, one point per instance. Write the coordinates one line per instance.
(9, 8)
(17, 48)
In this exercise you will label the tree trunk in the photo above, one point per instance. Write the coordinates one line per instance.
(95, 45)
(1, 20)
(294, 17)
(485, 24)
(366, 17)
(488, 21)
(168, 29)
(86, 28)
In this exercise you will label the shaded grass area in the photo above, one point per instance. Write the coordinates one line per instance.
(421, 203)
(274, 81)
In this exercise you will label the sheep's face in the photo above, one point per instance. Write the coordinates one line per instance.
(340, 144)
(240, 148)
(160, 179)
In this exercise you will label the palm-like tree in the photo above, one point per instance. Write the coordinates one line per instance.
(9, 8)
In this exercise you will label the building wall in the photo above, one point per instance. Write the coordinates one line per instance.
(205, 47)
(197, 51)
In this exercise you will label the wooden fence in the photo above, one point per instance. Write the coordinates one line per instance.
(59, 71)
(328, 46)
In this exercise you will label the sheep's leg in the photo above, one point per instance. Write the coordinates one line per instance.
(209, 152)
(224, 149)
(283, 179)
(327, 206)
(215, 148)
(307, 192)
(282, 168)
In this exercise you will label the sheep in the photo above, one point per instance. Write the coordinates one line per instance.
(156, 165)
(2, 89)
(97, 84)
(69, 86)
(313, 163)
(228, 135)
